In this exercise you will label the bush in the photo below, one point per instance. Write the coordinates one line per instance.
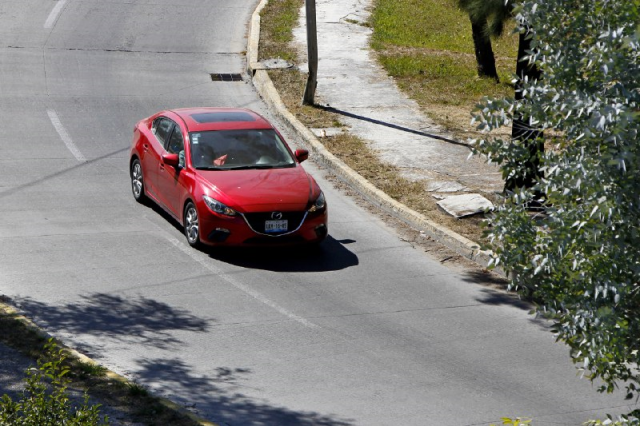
(45, 401)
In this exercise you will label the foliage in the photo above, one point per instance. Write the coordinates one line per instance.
(610, 421)
(580, 258)
(45, 401)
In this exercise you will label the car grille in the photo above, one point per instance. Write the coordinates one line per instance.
(257, 221)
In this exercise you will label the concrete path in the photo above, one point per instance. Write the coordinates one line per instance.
(351, 82)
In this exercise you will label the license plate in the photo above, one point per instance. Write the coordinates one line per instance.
(276, 225)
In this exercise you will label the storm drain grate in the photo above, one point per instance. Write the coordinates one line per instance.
(226, 77)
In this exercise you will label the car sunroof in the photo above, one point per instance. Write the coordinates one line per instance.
(221, 117)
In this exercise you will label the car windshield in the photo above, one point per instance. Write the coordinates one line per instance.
(239, 149)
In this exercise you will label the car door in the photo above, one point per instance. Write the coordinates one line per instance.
(161, 129)
(170, 178)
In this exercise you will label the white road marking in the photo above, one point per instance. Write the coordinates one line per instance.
(206, 263)
(64, 135)
(54, 14)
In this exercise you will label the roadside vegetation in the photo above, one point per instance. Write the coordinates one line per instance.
(434, 64)
(580, 258)
(56, 371)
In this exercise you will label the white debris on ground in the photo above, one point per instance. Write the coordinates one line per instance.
(326, 132)
(465, 205)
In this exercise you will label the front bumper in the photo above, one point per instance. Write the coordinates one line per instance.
(239, 231)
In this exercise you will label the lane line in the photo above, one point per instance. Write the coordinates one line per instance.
(64, 135)
(48, 24)
(206, 263)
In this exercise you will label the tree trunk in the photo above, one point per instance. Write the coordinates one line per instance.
(484, 52)
(531, 137)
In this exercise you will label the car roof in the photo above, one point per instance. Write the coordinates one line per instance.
(209, 118)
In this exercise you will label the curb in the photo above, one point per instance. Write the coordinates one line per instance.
(8, 310)
(263, 84)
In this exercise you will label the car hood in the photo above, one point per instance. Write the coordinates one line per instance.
(261, 190)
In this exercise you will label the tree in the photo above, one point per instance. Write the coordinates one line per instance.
(481, 14)
(580, 259)
(485, 59)
(488, 19)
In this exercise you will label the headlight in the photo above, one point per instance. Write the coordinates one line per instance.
(217, 207)
(319, 204)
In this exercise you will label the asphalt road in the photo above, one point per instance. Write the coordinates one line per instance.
(369, 331)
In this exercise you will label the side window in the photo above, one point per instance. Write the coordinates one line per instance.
(162, 129)
(176, 141)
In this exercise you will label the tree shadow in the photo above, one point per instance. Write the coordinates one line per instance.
(216, 396)
(495, 290)
(502, 297)
(495, 293)
(142, 320)
(331, 255)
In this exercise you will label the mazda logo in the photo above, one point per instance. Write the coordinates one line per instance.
(276, 215)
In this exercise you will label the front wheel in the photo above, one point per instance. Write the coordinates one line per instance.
(191, 225)
(137, 181)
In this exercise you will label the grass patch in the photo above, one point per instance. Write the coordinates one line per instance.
(427, 47)
(93, 370)
(453, 75)
(275, 34)
(433, 24)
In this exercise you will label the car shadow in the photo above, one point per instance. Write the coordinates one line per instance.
(331, 255)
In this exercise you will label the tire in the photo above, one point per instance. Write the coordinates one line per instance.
(191, 225)
(137, 181)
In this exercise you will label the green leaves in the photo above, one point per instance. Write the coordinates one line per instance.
(45, 401)
(579, 258)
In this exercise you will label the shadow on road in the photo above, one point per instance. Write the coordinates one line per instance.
(495, 293)
(495, 290)
(215, 396)
(331, 255)
(142, 320)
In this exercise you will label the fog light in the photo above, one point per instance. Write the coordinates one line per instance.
(321, 231)
(219, 235)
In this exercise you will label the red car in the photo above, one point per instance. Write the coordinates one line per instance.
(228, 176)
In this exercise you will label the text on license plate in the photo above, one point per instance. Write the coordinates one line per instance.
(276, 225)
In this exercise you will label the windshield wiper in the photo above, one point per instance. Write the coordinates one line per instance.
(252, 166)
(210, 168)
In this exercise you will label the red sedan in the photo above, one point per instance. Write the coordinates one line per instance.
(228, 176)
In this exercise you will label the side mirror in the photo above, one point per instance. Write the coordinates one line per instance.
(171, 160)
(301, 155)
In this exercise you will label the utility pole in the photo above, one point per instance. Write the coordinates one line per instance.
(312, 49)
